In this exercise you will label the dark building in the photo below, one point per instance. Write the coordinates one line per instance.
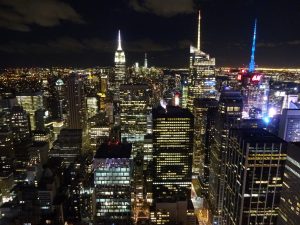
(254, 166)
(172, 152)
(228, 116)
(289, 126)
(68, 145)
(205, 110)
(75, 101)
(289, 208)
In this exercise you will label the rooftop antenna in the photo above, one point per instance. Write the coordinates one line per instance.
(198, 38)
(119, 41)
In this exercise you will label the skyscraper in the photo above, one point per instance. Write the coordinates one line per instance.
(228, 116)
(20, 124)
(120, 67)
(204, 111)
(31, 101)
(112, 179)
(289, 208)
(172, 153)
(289, 127)
(202, 79)
(75, 101)
(254, 166)
(134, 108)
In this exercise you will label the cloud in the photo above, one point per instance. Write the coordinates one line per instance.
(294, 42)
(20, 14)
(67, 45)
(165, 8)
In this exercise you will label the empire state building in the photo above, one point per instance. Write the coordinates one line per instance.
(120, 67)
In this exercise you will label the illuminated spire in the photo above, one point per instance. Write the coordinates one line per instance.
(146, 61)
(119, 42)
(198, 38)
(252, 62)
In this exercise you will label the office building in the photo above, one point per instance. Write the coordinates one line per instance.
(92, 106)
(112, 179)
(68, 145)
(20, 124)
(173, 129)
(120, 68)
(289, 125)
(228, 116)
(202, 81)
(289, 208)
(204, 111)
(75, 102)
(31, 102)
(134, 109)
(254, 166)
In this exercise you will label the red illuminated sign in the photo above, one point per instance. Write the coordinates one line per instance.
(239, 77)
(256, 78)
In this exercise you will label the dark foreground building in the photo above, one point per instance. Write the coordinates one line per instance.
(254, 167)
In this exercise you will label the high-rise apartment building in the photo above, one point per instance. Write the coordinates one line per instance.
(254, 166)
(173, 129)
(112, 179)
(289, 207)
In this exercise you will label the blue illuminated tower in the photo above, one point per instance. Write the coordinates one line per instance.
(252, 62)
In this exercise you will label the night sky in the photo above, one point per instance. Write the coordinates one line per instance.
(83, 33)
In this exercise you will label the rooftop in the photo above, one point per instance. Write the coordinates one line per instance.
(114, 150)
(171, 111)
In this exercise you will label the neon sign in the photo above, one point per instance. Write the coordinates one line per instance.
(239, 77)
(256, 78)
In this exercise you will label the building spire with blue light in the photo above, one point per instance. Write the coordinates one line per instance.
(252, 62)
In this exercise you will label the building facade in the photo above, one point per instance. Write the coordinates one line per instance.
(254, 167)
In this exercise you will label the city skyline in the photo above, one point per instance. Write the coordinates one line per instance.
(149, 112)
(81, 35)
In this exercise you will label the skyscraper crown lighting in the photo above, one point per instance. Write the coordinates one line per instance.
(252, 62)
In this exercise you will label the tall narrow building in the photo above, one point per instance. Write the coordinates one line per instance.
(228, 116)
(205, 110)
(120, 67)
(75, 102)
(202, 81)
(254, 166)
